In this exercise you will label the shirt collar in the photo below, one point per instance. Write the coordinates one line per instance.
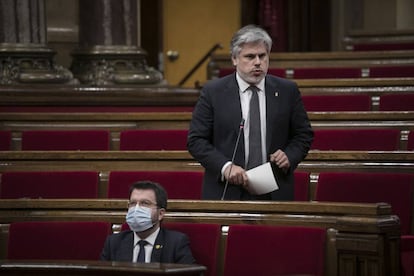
(243, 85)
(150, 239)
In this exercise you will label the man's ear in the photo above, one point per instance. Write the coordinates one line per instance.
(233, 59)
(161, 214)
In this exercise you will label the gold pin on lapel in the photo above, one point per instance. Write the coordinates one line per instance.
(158, 246)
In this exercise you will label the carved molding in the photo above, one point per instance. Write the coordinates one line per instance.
(31, 63)
(110, 65)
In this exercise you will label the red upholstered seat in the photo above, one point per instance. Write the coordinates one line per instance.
(57, 240)
(274, 250)
(65, 140)
(395, 189)
(101, 108)
(410, 141)
(397, 102)
(49, 184)
(302, 186)
(337, 102)
(279, 72)
(158, 139)
(391, 71)
(326, 73)
(356, 139)
(178, 184)
(5, 140)
(383, 46)
(204, 242)
(225, 71)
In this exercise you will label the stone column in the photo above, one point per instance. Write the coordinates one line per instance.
(24, 55)
(108, 52)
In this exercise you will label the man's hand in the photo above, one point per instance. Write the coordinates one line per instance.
(280, 159)
(237, 175)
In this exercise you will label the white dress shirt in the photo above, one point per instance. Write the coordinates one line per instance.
(148, 247)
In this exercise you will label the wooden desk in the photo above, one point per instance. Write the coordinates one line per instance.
(326, 59)
(115, 122)
(42, 96)
(362, 239)
(69, 268)
(107, 161)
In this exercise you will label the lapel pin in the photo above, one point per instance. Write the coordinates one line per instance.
(158, 246)
(276, 94)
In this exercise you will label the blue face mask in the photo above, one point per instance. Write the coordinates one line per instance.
(139, 218)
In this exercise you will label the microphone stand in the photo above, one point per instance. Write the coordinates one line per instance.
(232, 158)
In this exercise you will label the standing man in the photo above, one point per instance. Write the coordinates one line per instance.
(267, 110)
(146, 241)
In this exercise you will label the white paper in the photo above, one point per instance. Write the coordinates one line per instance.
(261, 180)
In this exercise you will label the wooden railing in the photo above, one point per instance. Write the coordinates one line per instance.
(115, 122)
(106, 161)
(337, 59)
(364, 237)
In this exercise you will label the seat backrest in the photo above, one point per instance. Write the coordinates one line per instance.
(397, 102)
(153, 139)
(55, 240)
(204, 242)
(382, 46)
(396, 189)
(314, 103)
(274, 250)
(410, 141)
(391, 71)
(49, 184)
(302, 181)
(178, 184)
(356, 139)
(65, 140)
(326, 72)
(5, 140)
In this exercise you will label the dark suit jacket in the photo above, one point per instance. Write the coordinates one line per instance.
(215, 125)
(170, 247)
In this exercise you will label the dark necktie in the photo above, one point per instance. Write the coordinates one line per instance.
(141, 253)
(255, 136)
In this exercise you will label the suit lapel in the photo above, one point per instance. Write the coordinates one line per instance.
(158, 247)
(127, 250)
(272, 106)
(233, 106)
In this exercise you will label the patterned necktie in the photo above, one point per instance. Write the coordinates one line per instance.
(255, 136)
(141, 254)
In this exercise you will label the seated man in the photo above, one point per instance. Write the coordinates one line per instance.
(147, 242)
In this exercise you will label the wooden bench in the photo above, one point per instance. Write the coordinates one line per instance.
(16, 122)
(334, 59)
(363, 40)
(66, 99)
(360, 237)
(105, 162)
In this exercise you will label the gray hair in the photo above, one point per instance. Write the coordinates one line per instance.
(249, 34)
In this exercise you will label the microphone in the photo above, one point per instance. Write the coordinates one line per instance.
(232, 158)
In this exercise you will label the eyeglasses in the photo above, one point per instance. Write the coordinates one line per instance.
(142, 203)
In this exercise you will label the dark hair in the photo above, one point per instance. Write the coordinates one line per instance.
(160, 193)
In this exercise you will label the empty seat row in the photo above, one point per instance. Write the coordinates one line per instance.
(358, 102)
(336, 72)
(95, 140)
(250, 249)
(381, 139)
(392, 188)
(85, 184)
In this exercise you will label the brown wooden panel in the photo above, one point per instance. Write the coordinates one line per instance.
(357, 233)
